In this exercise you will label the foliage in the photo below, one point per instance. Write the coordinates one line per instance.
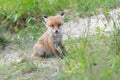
(90, 58)
(94, 57)
(16, 14)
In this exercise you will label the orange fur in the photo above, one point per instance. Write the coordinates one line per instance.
(49, 42)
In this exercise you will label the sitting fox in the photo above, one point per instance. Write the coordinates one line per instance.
(49, 43)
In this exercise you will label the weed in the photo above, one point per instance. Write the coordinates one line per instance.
(90, 58)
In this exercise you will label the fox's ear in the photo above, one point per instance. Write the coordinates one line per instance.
(45, 18)
(62, 14)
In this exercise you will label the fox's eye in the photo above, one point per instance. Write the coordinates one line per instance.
(52, 25)
(59, 24)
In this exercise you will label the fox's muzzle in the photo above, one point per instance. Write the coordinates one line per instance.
(56, 31)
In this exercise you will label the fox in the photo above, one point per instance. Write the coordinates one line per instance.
(51, 41)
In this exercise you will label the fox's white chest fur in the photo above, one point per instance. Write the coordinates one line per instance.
(56, 40)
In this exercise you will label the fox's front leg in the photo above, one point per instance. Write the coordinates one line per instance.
(62, 47)
(54, 50)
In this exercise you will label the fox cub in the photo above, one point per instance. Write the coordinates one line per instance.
(49, 43)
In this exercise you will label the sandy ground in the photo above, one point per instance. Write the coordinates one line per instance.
(81, 26)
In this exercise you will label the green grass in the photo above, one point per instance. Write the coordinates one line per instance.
(90, 58)
(14, 70)
(15, 15)
(95, 57)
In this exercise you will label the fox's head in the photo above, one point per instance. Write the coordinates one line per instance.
(54, 23)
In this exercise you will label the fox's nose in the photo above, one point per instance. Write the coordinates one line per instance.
(56, 31)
